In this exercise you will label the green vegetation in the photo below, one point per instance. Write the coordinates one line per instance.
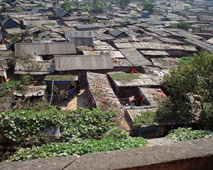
(66, 5)
(186, 8)
(18, 9)
(123, 3)
(184, 134)
(116, 133)
(124, 76)
(37, 26)
(25, 127)
(77, 146)
(40, 5)
(92, 20)
(15, 37)
(98, 6)
(104, 21)
(37, 39)
(32, 26)
(86, 8)
(147, 6)
(26, 79)
(182, 25)
(3, 4)
(82, 131)
(47, 14)
(51, 24)
(146, 118)
(8, 87)
(60, 77)
(195, 80)
(186, 60)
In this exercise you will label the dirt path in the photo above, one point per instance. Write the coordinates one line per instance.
(78, 101)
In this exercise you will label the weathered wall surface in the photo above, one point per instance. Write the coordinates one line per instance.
(189, 155)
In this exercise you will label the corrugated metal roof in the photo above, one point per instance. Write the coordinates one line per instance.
(160, 53)
(61, 48)
(134, 57)
(37, 22)
(81, 62)
(205, 18)
(115, 33)
(200, 44)
(154, 46)
(81, 41)
(113, 54)
(85, 34)
(207, 28)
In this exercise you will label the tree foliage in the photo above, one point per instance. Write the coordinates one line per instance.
(123, 3)
(183, 25)
(66, 5)
(98, 6)
(147, 6)
(191, 88)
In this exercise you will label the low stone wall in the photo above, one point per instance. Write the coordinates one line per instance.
(189, 155)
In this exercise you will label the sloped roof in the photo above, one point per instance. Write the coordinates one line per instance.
(115, 33)
(60, 12)
(7, 19)
(45, 48)
(81, 62)
(134, 57)
(207, 28)
(205, 18)
(34, 67)
(85, 34)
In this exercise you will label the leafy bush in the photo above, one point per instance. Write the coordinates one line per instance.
(116, 133)
(186, 60)
(26, 79)
(184, 134)
(182, 25)
(77, 146)
(66, 5)
(147, 6)
(8, 87)
(26, 127)
(195, 79)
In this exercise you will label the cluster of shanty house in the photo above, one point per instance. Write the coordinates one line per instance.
(68, 51)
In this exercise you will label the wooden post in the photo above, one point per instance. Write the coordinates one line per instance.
(52, 93)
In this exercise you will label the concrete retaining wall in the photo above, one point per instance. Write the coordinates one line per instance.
(189, 155)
